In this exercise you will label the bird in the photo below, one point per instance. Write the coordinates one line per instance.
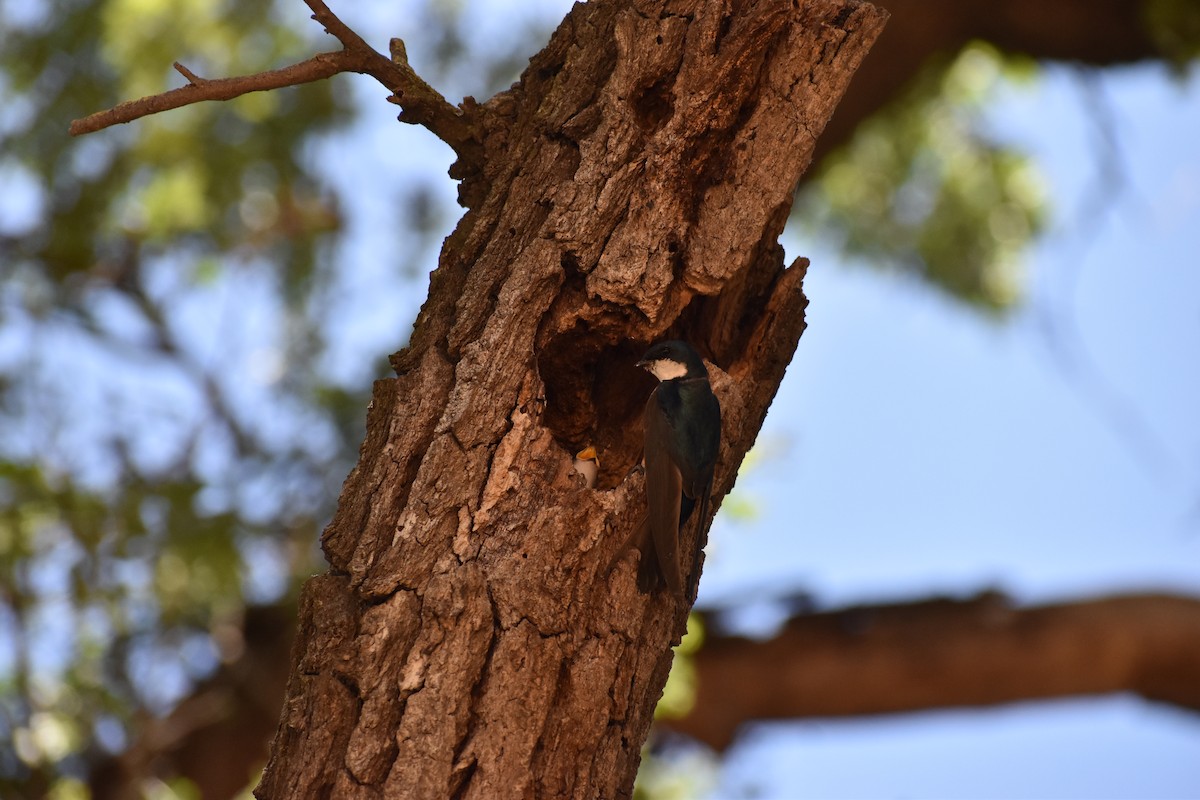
(682, 428)
(587, 464)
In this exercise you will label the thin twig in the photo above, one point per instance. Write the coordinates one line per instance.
(335, 27)
(319, 67)
(421, 103)
(192, 77)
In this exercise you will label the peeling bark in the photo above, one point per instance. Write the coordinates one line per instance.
(468, 640)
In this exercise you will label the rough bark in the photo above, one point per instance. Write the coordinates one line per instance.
(945, 653)
(468, 640)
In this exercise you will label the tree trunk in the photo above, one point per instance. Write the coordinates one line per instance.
(469, 639)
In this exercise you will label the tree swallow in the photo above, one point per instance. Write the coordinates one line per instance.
(682, 425)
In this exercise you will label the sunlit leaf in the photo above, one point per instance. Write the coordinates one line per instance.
(923, 189)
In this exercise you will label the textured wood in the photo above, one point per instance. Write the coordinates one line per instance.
(469, 640)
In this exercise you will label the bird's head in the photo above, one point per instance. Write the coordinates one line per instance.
(672, 360)
(587, 464)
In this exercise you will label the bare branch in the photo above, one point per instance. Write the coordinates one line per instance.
(319, 67)
(335, 27)
(944, 653)
(421, 103)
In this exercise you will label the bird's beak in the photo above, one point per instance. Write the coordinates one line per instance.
(587, 464)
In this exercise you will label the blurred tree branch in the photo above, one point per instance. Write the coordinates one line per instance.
(942, 653)
(857, 661)
(1078, 31)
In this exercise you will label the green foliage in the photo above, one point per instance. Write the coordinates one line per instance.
(680, 692)
(683, 776)
(135, 484)
(921, 188)
(688, 774)
(1175, 27)
(170, 176)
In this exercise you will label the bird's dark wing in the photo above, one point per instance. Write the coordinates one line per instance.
(649, 574)
(695, 448)
(664, 489)
(701, 539)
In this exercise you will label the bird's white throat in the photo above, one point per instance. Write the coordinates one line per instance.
(667, 370)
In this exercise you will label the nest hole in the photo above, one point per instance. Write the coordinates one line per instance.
(595, 393)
